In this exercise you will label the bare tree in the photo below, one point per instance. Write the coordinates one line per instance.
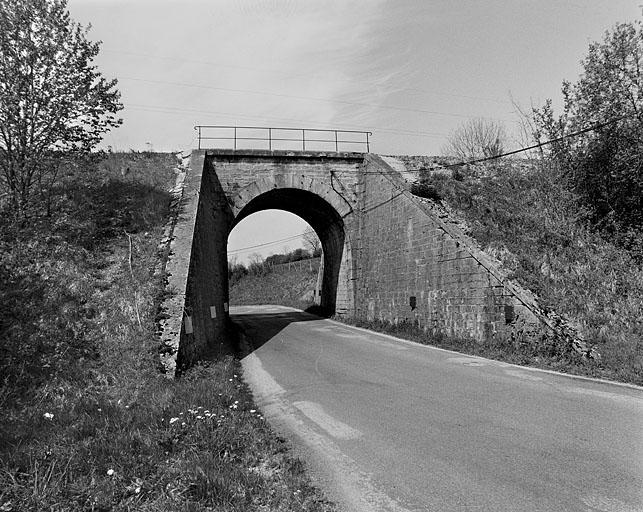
(311, 240)
(476, 138)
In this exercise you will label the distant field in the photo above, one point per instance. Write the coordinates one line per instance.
(288, 284)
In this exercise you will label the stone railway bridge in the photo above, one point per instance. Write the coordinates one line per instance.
(388, 254)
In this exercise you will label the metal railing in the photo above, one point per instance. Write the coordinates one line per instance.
(313, 139)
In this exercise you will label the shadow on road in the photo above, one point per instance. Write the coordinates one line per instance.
(256, 329)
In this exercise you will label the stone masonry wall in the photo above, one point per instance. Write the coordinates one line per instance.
(395, 257)
(416, 268)
(255, 180)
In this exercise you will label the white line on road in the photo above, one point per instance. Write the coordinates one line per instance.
(314, 412)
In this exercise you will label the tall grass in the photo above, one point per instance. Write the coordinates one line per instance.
(526, 217)
(87, 421)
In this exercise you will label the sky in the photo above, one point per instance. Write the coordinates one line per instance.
(409, 71)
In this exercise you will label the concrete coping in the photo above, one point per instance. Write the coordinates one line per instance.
(265, 153)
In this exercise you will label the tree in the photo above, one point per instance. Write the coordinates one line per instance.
(311, 240)
(476, 138)
(53, 100)
(605, 165)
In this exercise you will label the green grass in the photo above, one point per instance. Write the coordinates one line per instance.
(86, 418)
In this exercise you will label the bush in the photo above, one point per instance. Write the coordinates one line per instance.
(527, 218)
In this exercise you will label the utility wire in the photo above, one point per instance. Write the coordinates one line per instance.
(535, 146)
(243, 249)
(310, 98)
(177, 110)
(283, 74)
(540, 144)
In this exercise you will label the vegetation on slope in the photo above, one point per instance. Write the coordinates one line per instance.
(289, 284)
(87, 422)
(526, 217)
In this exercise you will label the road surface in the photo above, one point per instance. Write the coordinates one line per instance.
(391, 425)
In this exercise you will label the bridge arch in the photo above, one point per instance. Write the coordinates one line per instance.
(324, 209)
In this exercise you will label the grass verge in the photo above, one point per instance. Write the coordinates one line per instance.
(545, 355)
(87, 422)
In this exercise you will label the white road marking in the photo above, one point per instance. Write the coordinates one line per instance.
(260, 378)
(522, 375)
(355, 486)
(337, 429)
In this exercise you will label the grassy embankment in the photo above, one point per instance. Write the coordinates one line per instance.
(87, 422)
(535, 228)
(286, 284)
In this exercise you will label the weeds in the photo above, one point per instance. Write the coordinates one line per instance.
(522, 214)
(87, 422)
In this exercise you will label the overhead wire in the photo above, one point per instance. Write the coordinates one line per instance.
(540, 144)
(596, 126)
(293, 96)
(288, 239)
(283, 74)
(171, 110)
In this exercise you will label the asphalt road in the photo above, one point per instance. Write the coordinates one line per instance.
(391, 425)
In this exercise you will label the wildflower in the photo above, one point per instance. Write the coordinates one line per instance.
(110, 472)
(173, 420)
(252, 411)
(183, 424)
(48, 416)
(199, 417)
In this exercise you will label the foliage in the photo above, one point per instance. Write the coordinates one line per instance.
(296, 255)
(86, 420)
(260, 267)
(604, 167)
(527, 218)
(476, 138)
(53, 101)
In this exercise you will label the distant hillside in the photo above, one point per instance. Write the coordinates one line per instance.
(288, 284)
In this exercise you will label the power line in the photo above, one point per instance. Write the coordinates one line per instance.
(307, 76)
(514, 152)
(541, 144)
(292, 96)
(172, 110)
(243, 249)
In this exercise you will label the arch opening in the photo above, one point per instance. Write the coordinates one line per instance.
(322, 218)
